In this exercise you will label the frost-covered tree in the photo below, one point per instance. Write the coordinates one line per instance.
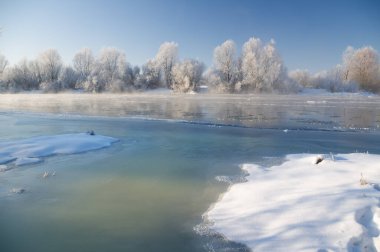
(3, 64)
(129, 76)
(68, 78)
(50, 86)
(276, 73)
(22, 76)
(165, 60)
(262, 67)
(35, 71)
(111, 63)
(212, 79)
(303, 77)
(51, 64)
(225, 62)
(135, 74)
(83, 63)
(347, 58)
(108, 71)
(149, 77)
(331, 80)
(19, 76)
(362, 66)
(187, 75)
(252, 67)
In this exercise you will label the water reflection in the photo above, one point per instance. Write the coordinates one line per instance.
(267, 111)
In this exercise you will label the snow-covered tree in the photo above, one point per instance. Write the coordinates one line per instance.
(362, 66)
(187, 75)
(108, 71)
(225, 63)
(83, 63)
(252, 67)
(303, 77)
(149, 77)
(214, 82)
(129, 76)
(262, 67)
(35, 71)
(135, 74)
(68, 78)
(50, 86)
(22, 76)
(19, 76)
(51, 64)
(165, 60)
(332, 80)
(276, 73)
(3, 64)
(92, 84)
(347, 58)
(111, 63)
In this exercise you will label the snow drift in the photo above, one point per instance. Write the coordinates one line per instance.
(303, 206)
(32, 150)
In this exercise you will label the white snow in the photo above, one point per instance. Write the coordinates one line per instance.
(31, 150)
(4, 168)
(303, 206)
(191, 92)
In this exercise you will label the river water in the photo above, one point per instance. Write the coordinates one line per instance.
(148, 191)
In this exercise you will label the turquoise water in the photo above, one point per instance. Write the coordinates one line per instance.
(146, 192)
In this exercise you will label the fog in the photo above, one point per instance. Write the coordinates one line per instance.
(323, 112)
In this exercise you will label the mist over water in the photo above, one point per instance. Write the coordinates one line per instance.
(148, 191)
(328, 112)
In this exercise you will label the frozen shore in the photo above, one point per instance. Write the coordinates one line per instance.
(32, 150)
(303, 206)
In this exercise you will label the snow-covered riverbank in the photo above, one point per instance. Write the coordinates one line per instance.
(303, 206)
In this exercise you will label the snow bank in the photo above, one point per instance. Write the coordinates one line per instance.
(301, 206)
(31, 150)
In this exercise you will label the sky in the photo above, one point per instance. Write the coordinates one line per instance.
(309, 34)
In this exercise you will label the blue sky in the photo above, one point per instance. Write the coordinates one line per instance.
(309, 34)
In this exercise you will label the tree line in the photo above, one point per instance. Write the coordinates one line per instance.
(360, 69)
(259, 68)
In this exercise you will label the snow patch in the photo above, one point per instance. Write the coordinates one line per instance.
(4, 168)
(301, 206)
(316, 102)
(30, 151)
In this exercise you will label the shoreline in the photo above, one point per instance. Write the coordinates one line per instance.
(224, 218)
